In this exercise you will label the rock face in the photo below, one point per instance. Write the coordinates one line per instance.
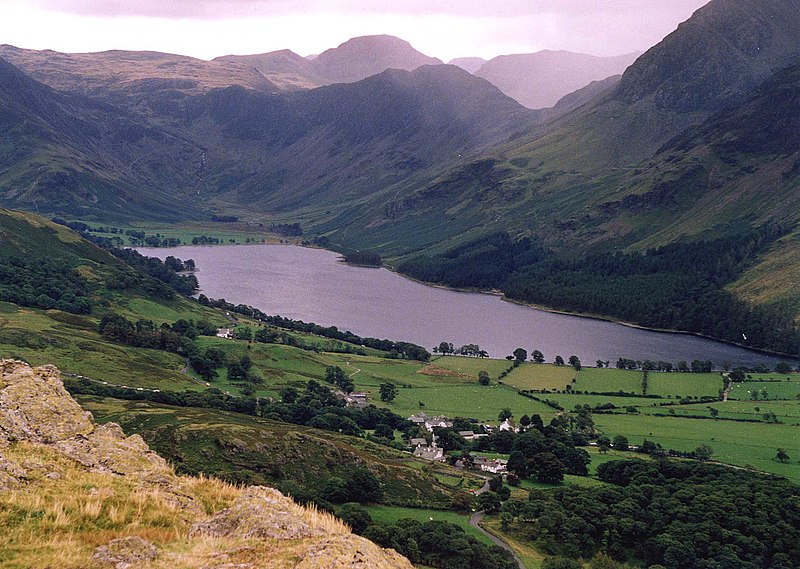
(35, 407)
(53, 455)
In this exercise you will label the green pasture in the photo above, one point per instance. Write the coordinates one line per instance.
(568, 400)
(530, 376)
(677, 384)
(740, 444)
(609, 380)
(749, 390)
(474, 401)
(471, 366)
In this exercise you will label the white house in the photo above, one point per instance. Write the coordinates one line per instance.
(224, 333)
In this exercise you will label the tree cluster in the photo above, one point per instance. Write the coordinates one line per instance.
(44, 283)
(679, 515)
(680, 286)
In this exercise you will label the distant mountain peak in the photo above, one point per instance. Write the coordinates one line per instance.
(360, 57)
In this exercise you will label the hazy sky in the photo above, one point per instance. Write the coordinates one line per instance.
(440, 28)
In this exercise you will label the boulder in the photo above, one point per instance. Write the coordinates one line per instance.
(124, 552)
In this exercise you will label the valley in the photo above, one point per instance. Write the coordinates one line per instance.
(365, 308)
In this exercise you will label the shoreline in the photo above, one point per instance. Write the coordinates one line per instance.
(498, 293)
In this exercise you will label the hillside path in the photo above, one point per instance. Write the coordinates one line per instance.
(475, 521)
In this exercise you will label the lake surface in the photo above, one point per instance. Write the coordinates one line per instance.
(313, 286)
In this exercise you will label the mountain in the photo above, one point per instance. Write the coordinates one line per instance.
(539, 80)
(55, 459)
(471, 64)
(352, 61)
(284, 68)
(119, 76)
(238, 146)
(69, 153)
(348, 141)
(361, 57)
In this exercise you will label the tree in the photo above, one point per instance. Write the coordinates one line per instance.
(783, 367)
(462, 501)
(388, 392)
(243, 333)
(782, 456)
(505, 414)
(524, 420)
(559, 361)
(620, 442)
(483, 377)
(575, 362)
(520, 355)
(355, 516)
(547, 468)
(703, 453)
(537, 357)
(489, 502)
(384, 431)
(445, 348)
(599, 363)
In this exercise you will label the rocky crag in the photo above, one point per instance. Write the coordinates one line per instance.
(74, 494)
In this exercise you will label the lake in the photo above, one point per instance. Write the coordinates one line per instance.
(313, 286)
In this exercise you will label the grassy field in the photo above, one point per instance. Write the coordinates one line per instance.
(391, 514)
(679, 385)
(609, 380)
(749, 390)
(474, 401)
(785, 411)
(740, 444)
(469, 367)
(531, 376)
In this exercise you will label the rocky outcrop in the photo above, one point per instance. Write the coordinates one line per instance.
(125, 552)
(53, 455)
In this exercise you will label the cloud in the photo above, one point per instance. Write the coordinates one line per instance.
(223, 9)
(440, 28)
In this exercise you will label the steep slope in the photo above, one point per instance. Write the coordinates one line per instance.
(547, 183)
(77, 494)
(361, 57)
(322, 147)
(539, 80)
(70, 154)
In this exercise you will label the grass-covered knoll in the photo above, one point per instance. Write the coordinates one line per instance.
(740, 444)
(533, 377)
(679, 385)
(296, 459)
(609, 380)
(72, 343)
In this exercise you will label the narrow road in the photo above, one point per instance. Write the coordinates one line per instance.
(475, 521)
(355, 372)
(728, 387)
